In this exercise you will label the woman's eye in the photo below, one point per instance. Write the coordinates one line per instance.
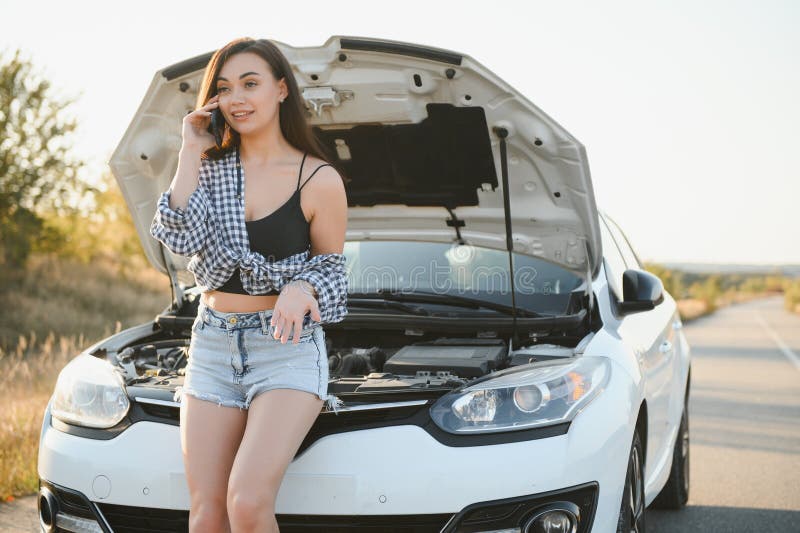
(249, 82)
(220, 89)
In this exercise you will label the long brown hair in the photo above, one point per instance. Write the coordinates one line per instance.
(292, 115)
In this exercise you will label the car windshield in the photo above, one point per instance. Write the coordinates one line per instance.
(458, 270)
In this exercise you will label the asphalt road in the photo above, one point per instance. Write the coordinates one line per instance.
(744, 423)
(744, 409)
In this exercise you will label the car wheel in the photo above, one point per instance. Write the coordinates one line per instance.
(675, 493)
(631, 512)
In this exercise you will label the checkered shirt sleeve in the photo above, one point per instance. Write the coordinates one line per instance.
(184, 231)
(328, 276)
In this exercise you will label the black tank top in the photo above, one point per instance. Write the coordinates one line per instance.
(282, 233)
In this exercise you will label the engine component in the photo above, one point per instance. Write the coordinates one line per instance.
(386, 382)
(539, 352)
(471, 360)
(358, 362)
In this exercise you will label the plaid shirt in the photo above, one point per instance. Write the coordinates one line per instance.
(212, 230)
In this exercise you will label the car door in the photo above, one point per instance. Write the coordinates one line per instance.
(653, 337)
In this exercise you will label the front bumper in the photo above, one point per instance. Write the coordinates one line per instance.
(369, 477)
(64, 509)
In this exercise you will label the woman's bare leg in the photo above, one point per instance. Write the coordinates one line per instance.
(210, 436)
(277, 423)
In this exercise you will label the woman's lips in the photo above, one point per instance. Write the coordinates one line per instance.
(243, 117)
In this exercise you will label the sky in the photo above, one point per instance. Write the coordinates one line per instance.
(689, 110)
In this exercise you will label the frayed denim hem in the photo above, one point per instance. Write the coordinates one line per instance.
(333, 403)
(208, 397)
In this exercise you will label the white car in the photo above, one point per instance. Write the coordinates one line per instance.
(506, 364)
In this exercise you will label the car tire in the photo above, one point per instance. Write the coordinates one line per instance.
(675, 493)
(632, 509)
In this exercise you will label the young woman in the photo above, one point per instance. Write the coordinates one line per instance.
(263, 217)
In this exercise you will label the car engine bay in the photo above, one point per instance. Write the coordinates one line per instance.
(359, 362)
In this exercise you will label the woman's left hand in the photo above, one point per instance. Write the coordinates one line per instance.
(290, 309)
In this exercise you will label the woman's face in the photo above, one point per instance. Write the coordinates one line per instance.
(246, 85)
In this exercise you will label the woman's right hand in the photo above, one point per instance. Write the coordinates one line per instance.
(195, 126)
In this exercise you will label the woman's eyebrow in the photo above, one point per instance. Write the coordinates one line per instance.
(220, 78)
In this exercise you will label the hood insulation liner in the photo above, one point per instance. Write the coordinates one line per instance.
(441, 161)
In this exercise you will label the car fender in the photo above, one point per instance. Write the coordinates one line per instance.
(604, 428)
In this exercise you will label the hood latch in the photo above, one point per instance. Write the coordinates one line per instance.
(320, 97)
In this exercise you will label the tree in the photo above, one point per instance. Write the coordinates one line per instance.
(37, 172)
(105, 231)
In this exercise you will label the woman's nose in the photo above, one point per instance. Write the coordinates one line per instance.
(237, 95)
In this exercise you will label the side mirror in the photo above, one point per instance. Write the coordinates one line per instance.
(641, 291)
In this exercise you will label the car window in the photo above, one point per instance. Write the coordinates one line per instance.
(463, 270)
(614, 263)
(631, 259)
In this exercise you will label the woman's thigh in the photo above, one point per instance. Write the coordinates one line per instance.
(210, 436)
(277, 422)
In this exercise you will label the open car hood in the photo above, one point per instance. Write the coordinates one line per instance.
(415, 129)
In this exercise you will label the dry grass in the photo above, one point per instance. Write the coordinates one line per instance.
(27, 377)
(82, 303)
(691, 308)
(71, 298)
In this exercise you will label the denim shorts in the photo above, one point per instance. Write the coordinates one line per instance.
(233, 357)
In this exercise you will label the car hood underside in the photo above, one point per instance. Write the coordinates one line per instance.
(423, 136)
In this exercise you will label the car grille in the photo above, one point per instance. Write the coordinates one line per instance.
(432, 523)
(124, 519)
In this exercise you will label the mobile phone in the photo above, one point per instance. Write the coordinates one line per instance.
(217, 126)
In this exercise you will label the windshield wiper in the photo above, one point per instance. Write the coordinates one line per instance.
(442, 299)
(368, 299)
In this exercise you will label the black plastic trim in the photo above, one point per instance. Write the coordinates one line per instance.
(330, 423)
(502, 437)
(91, 433)
(69, 499)
(128, 519)
(356, 320)
(423, 52)
(199, 62)
(520, 508)
(408, 523)
(187, 66)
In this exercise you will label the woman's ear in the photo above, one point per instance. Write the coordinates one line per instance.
(284, 90)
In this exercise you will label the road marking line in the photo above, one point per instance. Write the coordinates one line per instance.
(790, 355)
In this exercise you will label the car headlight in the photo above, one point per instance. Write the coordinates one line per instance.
(523, 398)
(89, 392)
